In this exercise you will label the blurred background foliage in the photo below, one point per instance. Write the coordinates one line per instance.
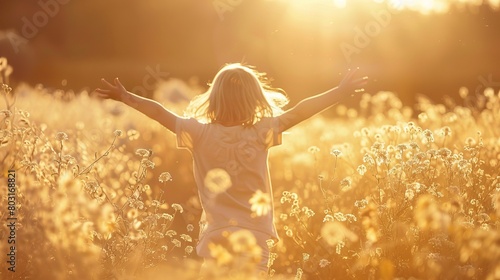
(298, 43)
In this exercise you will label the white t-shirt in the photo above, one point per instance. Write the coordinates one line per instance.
(242, 152)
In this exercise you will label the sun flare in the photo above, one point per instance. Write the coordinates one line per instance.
(422, 6)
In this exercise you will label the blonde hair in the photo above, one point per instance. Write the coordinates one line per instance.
(238, 95)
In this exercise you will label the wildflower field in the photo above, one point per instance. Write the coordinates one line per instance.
(382, 192)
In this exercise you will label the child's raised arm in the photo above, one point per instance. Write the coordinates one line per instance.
(315, 104)
(149, 107)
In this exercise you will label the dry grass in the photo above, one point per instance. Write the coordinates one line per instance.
(371, 194)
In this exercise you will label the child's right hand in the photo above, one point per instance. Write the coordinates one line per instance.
(116, 92)
(350, 84)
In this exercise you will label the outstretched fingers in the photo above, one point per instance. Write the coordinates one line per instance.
(351, 73)
(119, 85)
(347, 77)
(100, 90)
(361, 81)
(102, 95)
(113, 90)
(108, 84)
(351, 83)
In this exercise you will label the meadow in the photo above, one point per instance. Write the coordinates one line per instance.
(386, 191)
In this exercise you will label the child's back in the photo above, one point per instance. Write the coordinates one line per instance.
(230, 167)
(229, 131)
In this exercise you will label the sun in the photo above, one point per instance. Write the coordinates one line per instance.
(422, 6)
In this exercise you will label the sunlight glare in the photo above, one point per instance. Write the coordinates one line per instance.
(495, 4)
(339, 3)
(422, 6)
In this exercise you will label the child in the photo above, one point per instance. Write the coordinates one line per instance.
(228, 131)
